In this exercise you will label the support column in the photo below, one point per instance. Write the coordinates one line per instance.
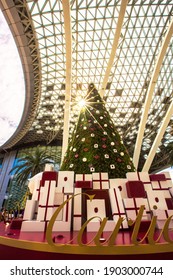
(5, 176)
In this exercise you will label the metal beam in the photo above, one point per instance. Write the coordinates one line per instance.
(114, 46)
(19, 21)
(149, 95)
(68, 43)
(158, 138)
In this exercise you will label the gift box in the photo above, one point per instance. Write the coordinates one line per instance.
(135, 189)
(34, 182)
(58, 200)
(117, 206)
(65, 224)
(101, 196)
(37, 189)
(159, 182)
(119, 184)
(83, 181)
(157, 177)
(96, 208)
(162, 216)
(132, 206)
(33, 226)
(100, 181)
(168, 179)
(49, 176)
(46, 201)
(138, 176)
(77, 210)
(30, 210)
(156, 200)
(66, 182)
(49, 167)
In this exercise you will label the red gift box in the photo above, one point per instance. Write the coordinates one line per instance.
(49, 176)
(135, 189)
(157, 177)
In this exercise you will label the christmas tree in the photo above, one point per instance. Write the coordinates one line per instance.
(95, 145)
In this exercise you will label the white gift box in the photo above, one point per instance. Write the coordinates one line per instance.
(33, 226)
(132, 206)
(96, 208)
(83, 177)
(138, 176)
(100, 181)
(161, 183)
(77, 209)
(156, 200)
(66, 182)
(65, 224)
(30, 210)
(58, 200)
(83, 181)
(119, 184)
(34, 182)
(48, 193)
(48, 167)
(37, 189)
(168, 179)
(162, 216)
(117, 206)
(46, 201)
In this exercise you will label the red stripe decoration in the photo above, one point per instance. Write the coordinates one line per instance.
(118, 208)
(67, 209)
(77, 215)
(47, 201)
(166, 213)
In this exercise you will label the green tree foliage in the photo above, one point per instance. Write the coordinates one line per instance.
(31, 164)
(96, 146)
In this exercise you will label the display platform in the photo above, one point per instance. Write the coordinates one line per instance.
(17, 245)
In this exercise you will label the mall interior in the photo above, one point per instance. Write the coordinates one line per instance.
(52, 50)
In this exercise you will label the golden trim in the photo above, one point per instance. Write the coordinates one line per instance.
(88, 249)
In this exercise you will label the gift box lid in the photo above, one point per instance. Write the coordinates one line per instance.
(49, 176)
(135, 189)
(157, 177)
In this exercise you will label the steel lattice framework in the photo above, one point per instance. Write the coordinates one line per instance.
(124, 47)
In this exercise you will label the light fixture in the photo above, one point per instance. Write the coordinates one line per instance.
(82, 103)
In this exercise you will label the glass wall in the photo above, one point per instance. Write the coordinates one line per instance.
(16, 195)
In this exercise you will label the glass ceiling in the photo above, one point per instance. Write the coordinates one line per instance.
(12, 86)
(93, 26)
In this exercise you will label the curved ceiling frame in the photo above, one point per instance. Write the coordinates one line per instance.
(158, 138)
(20, 23)
(150, 92)
(114, 46)
(68, 42)
(93, 32)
